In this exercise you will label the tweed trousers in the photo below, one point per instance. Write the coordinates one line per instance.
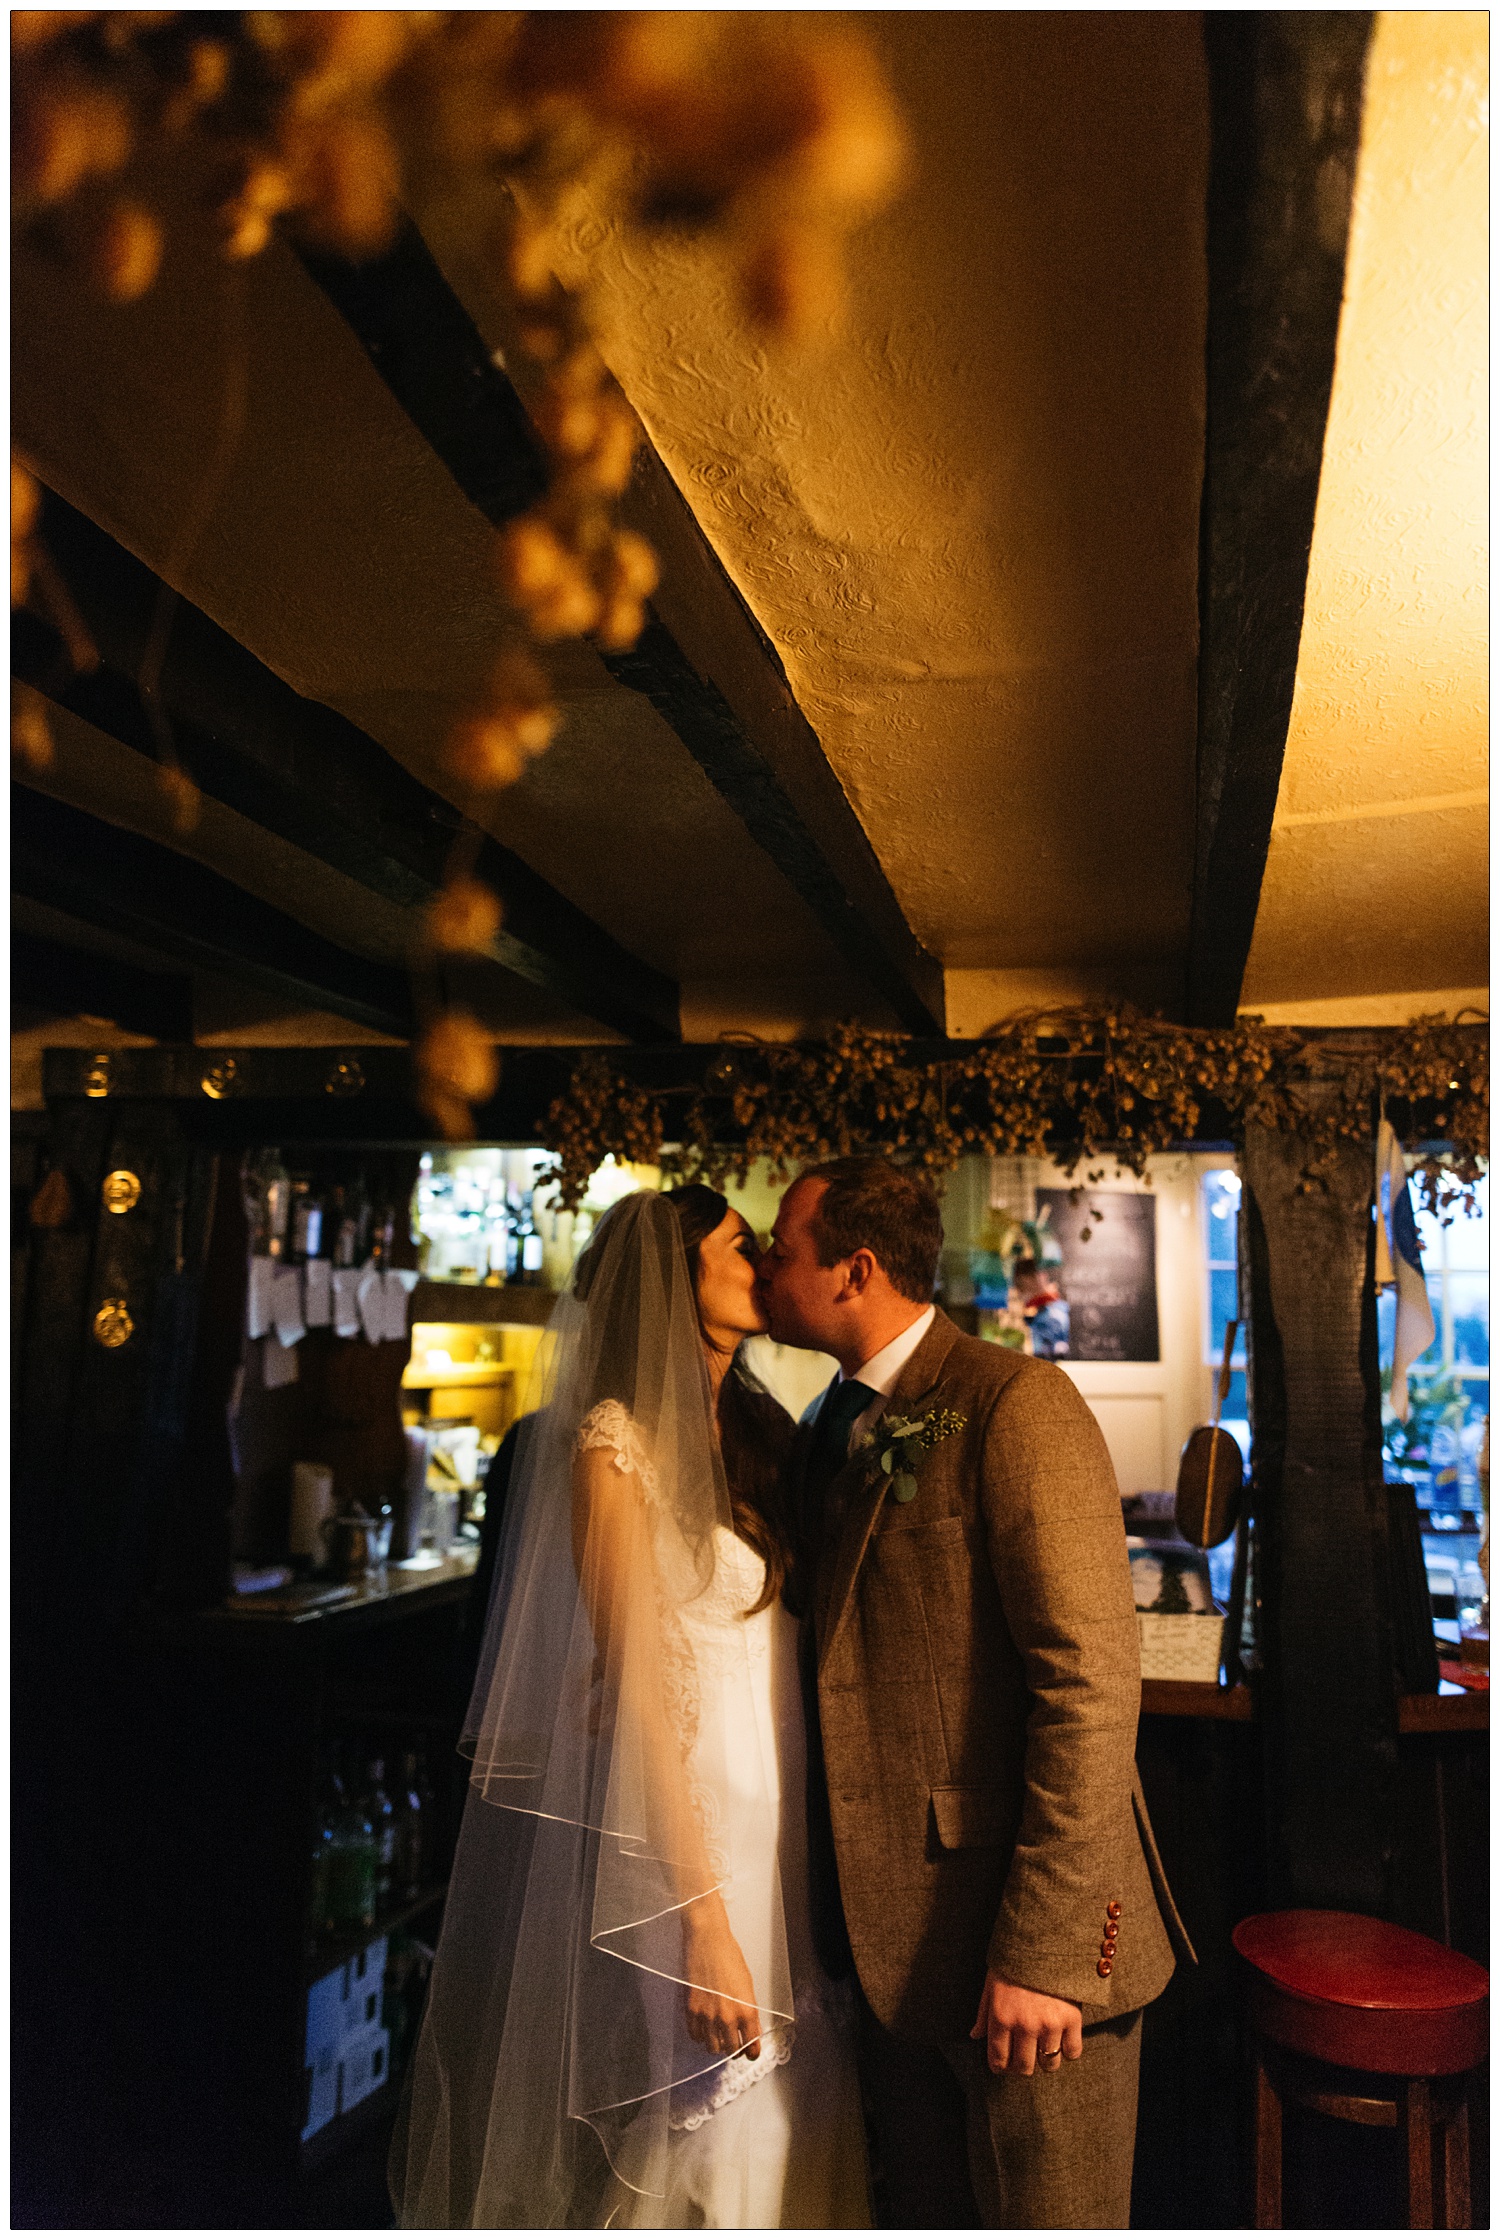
(959, 2147)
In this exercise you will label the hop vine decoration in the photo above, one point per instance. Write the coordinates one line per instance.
(1072, 1088)
(773, 132)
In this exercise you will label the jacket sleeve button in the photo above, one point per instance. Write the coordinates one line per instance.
(1106, 1967)
(1113, 1909)
(1106, 1950)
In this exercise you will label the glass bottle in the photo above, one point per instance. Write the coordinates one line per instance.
(381, 1814)
(276, 1189)
(351, 1863)
(497, 1236)
(257, 1213)
(410, 1861)
(529, 1251)
(322, 1849)
(351, 1232)
(307, 1219)
(383, 1233)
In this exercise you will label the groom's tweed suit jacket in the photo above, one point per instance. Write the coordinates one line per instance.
(978, 1687)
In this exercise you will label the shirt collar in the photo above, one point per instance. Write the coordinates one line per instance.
(882, 1370)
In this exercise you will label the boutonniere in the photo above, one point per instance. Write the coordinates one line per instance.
(901, 1441)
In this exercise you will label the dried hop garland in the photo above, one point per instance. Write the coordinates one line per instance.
(1073, 1087)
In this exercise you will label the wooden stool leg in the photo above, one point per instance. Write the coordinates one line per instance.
(1267, 2149)
(1456, 2163)
(1417, 2110)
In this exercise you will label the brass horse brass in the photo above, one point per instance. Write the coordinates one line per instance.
(219, 1079)
(121, 1190)
(96, 1080)
(112, 1324)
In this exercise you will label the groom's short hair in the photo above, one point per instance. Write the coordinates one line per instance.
(872, 1205)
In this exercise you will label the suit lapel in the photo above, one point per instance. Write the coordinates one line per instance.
(863, 1488)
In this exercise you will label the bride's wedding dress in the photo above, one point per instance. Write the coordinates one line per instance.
(778, 2141)
(635, 1831)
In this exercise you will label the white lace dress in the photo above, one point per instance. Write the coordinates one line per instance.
(778, 2142)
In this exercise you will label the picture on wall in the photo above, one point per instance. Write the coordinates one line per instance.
(1108, 1277)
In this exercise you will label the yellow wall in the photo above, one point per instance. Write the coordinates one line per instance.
(1376, 883)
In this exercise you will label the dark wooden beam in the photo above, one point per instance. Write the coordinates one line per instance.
(1285, 91)
(1325, 1576)
(49, 976)
(703, 661)
(306, 773)
(114, 879)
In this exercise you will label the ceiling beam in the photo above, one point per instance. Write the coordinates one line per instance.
(304, 772)
(115, 880)
(51, 976)
(703, 661)
(1285, 94)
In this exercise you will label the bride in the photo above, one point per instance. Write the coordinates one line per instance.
(627, 2024)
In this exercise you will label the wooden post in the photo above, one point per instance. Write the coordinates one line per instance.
(1328, 1705)
(1267, 2148)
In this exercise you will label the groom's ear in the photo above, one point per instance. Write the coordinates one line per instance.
(860, 1270)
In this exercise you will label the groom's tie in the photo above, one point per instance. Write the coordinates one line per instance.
(841, 1409)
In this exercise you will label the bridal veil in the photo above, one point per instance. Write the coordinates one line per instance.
(612, 1782)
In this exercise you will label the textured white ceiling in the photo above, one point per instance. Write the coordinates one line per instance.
(970, 525)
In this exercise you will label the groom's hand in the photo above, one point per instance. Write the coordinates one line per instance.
(1025, 2030)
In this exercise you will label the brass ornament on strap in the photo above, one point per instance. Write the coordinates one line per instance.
(120, 1191)
(345, 1078)
(219, 1079)
(96, 1080)
(113, 1325)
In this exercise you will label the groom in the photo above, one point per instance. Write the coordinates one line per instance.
(973, 1676)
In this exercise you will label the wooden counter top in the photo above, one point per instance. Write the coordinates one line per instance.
(385, 1592)
(1453, 1710)
(1195, 1699)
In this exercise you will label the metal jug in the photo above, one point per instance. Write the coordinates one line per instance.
(350, 1541)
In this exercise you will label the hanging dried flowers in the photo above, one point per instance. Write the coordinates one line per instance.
(1072, 1087)
(774, 131)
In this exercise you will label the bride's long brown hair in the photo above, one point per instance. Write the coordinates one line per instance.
(755, 1431)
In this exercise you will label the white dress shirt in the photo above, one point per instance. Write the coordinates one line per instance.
(881, 1371)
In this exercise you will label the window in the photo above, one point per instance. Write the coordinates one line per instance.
(1437, 1448)
(1455, 1261)
(1220, 1203)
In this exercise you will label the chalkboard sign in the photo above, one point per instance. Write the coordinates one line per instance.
(1109, 1276)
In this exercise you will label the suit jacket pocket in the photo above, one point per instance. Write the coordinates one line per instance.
(971, 1819)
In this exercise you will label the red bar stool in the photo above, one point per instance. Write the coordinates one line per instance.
(1340, 2003)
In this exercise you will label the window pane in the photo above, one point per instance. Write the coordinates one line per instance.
(1429, 1233)
(1469, 1240)
(1385, 1323)
(1223, 1306)
(1221, 1207)
(1469, 1297)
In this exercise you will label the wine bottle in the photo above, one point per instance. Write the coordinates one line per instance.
(276, 1187)
(307, 1219)
(381, 1814)
(529, 1243)
(410, 1830)
(351, 1863)
(322, 1849)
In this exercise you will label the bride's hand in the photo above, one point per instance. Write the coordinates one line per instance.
(726, 2019)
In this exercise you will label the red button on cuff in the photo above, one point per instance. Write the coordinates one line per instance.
(1113, 1909)
(1106, 1967)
